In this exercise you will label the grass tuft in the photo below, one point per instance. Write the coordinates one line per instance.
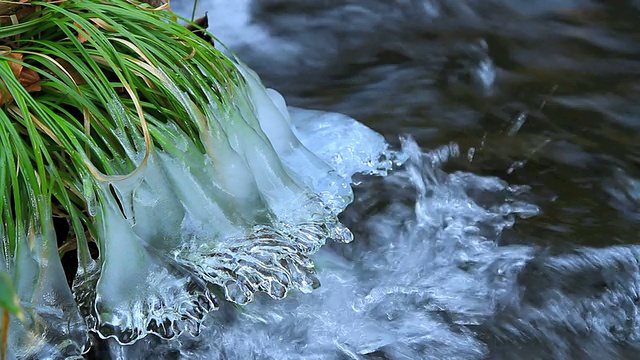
(84, 85)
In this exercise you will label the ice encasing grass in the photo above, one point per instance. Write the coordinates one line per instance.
(188, 175)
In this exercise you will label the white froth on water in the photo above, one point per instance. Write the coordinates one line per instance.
(427, 278)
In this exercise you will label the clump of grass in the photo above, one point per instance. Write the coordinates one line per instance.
(100, 67)
(83, 82)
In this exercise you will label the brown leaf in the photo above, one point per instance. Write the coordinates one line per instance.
(25, 11)
(15, 67)
(28, 78)
(19, 8)
(155, 3)
(82, 35)
(197, 28)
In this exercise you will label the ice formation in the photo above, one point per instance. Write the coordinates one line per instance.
(53, 327)
(233, 203)
(241, 217)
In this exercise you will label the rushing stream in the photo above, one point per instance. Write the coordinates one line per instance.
(511, 231)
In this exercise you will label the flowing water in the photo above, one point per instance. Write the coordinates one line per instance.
(510, 232)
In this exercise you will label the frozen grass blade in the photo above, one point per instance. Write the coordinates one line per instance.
(8, 299)
(10, 305)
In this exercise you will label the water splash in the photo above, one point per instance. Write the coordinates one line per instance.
(424, 271)
(428, 278)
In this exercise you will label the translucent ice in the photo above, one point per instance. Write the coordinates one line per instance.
(53, 327)
(243, 210)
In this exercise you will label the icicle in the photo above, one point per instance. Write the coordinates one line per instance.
(141, 290)
(54, 327)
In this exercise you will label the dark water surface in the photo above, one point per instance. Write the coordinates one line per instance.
(542, 94)
(466, 72)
